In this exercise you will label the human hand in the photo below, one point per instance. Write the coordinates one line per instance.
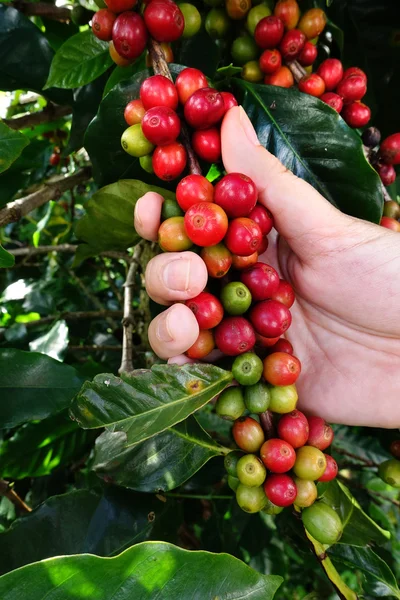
(345, 272)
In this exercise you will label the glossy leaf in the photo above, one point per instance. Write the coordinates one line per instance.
(6, 259)
(121, 73)
(148, 466)
(54, 342)
(33, 386)
(314, 142)
(80, 60)
(352, 445)
(11, 145)
(148, 401)
(144, 571)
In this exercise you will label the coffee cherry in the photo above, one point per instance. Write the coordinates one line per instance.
(134, 141)
(331, 469)
(230, 406)
(308, 55)
(164, 20)
(355, 71)
(119, 6)
(251, 72)
(289, 12)
(250, 499)
(371, 137)
(284, 294)
(236, 298)
(277, 455)
(170, 208)
(54, 159)
(217, 259)
(263, 245)
(251, 471)
(248, 434)
(234, 335)
(282, 345)
(134, 112)
(272, 509)
(169, 161)
(242, 262)
(207, 144)
(270, 61)
(233, 483)
(247, 369)
(236, 194)
(322, 523)
(237, 9)
(269, 32)
(118, 60)
(158, 91)
(257, 397)
(217, 23)
(321, 434)
(283, 399)
(281, 78)
(389, 223)
(310, 463)
(331, 71)
(356, 114)
(306, 492)
(389, 472)
(255, 15)
(333, 100)
(262, 281)
(231, 460)
(265, 342)
(192, 190)
(202, 346)
(188, 82)
(204, 108)
(172, 235)
(390, 149)
(229, 100)
(293, 428)
(394, 446)
(281, 368)
(244, 49)
(166, 51)
(391, 209)
(243, 236)
(207, 309)
(263, 218)
(280, 489)
(102, 24)
(270, 318)
(312, 84)
(161, 125)
(206, 223)
(191, 19)
(387, 174)
(312, 23)
(292, 44)
(129, 35)
(352, 88)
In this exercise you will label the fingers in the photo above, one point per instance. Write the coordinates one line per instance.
(148, 215)
(175, 276)
(172, 332)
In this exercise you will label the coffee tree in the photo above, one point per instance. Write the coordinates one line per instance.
(123, 476)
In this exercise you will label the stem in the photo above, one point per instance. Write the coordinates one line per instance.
(128, 318)
(31, 251)
(7, 490)
(52, 112)
(267, 424)
(367, 463)
(42, 9)
(297, 70)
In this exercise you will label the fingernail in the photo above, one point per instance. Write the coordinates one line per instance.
(137, 219)
(248, 128)
(176, 274)
(163, 332)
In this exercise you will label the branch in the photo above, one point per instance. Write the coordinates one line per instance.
(7, 491)
(31, 251)
(94, 348)
(42, 9)
(52, 190)
(52, 112)
(297, 70)
(128, 320)
(365, 461)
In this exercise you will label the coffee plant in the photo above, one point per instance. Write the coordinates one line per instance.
(124, 474)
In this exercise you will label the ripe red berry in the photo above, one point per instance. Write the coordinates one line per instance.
(202, 346)
(308, 55)
(236, 194)
(334, 101)
(229, 100)
(129, 35)
(331, 71)
(169, 161)
(331, 469)
(282, 345)
(284, 293)
(54, 159)
(270, 318)
(134, 112)
(207, 309)
(206, 223)
(102, 24)
(262, 281)
(207, 144)
(188, 82)
(281, 368)
(158, 91)
(117, 59)
(243, 236)
(164, 20)
(269, 32)
(282, 78)
(312, 84)
(248, 434)
(161, 125)
(354, 71)
(277, 455)
(395, 448)
(312, 22)
(204, 108)
(263, 245)
(119, 6)
(192, 190)
(293, 428)
(218, 260)
(266, 342)
(263, 218)
(270, 61)
(390, 223)
(387, 174)
(242, 262)
(321, 434)
(390, 149)
(352, 88)
(234, 335)
(280, 489)
(356, 114)
(292, 44)
(288, 11)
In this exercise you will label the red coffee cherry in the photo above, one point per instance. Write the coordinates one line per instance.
(118, 60)
(263, 245)
(234, 335)
(102, 24)
(308, 55)
(134, 112)
(395, 448)
(288, 11)
(207, 144)
(262, 281)
(334, 101)
(248, 434)
(281, 78)
(243, 262)
(390, 223)
(270, 61)
(161, 125)
(188, 82)
(352, 88)
(164, 20)
(54, 159)
(202, 346)
(312, 84)
(218, 260)
(284, 293)
(265, 342)
(321, 434)
(263, 218)
(129, 35)
(270, 318)
(207, 309)
(356, 114)
(331, 469)
(312, 22)
(169, 161)
(206, 223)
(280, 489)
(281, 368)
(119, 6)
(387, 174)
(172, 236)
(236, 194)
(282, 345)
(292, 44)
(192, 190)
(293, 428)
(354, 71)
(229, 100)
(390, 149)
(269, 32)
(331, 71)
(243, 236)
(277, 455)
(204, 108)
(158, 91)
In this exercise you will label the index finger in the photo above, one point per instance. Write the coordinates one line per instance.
(147, 215)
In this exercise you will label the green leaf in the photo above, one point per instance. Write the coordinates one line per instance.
(11, 145)
(148, 467)
(314, 142)
(80, 60)
(6, 259)
(54, 342)
(121, 73)
(148, 401)
(86, 100)
(352, 444)
(200, 52)
(143, 572)
(33, 386)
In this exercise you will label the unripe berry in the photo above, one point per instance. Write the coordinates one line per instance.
(331, 71)
(282, 78)
(202, 346)
(308, 55)
(389, 472)
(269, 32)
(188, 82)
(204, 108)
(207, 144)
(206, 223)
(230, 406)
(236, 194)
(218, 260)
(391, 209)
(134, 141)
(231, 460)
(217, 23)
(321, 434)
(158, 91)
(251, 471)
(233, 483)
(247, 369)
(236, 298)
(387, 174)
(292, 44)
(207, 309)
(270, 318)
(248, 434)
(306, 492)
(172, 236)
(129, 35)
(251, 72)
(102, 24)
(255, 15)
(282, 345)
(119, 6)
(244, 49)
(161, 125)
(234, 335)
(283, 399)
(352, 88)
(192, 190)
(262, 281)
(395, 448)
(237, 9)
(288, 11)
(284, 294)
(118, 60)
(192, 19)
(250, 499)
(312, 84)
(277, 455)
(170, 208)
(257, 397)
(293, 428)
(134, 112)
(390, 149)
(164, 20)
(243, 262)
(390, 223)
(270, 61)
(310, 463)
(371, 137)
(312, 23)
(334, 101)
(263, 218)
(243, 236)
(322, 523)
(331, 469)
(280, 489)
(281, 368)
(272, 509)
(356, 114)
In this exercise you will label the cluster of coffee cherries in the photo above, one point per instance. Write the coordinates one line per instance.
(389, 470)
(154, 124)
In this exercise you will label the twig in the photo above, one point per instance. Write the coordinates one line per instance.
(267, 424)
(92, 297)
(196, 496)
(386, 196)
(297, 70)
(42, 9)
(95, 348)
(367, 463)
(128, 318)
(52, 190)
(7, 490)
(52, 112)
(31, 251)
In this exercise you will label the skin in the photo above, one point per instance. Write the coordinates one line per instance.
(345, 272)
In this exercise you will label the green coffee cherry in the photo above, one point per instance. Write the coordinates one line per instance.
(233, 482)
(217, 23)
(244, 49)
(310, 463)
(255, 15)
(283, 398)
(247, 368)
(146, 162)
(251, 471)
(80, 15)
(250, 499)
(272, 509)
(170, 208)
(322, 523)
(306, 492)
(251, 72)
(230, 404)
(230, 462)
(236, 298)
(257, 397)
(192, 19)
(135, 143)
(389, 472)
